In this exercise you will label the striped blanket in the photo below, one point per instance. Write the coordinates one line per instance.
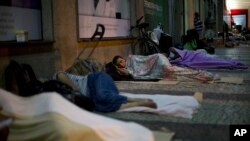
(158, 66)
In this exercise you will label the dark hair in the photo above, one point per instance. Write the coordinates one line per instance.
(209, 14)
(196, 14)
(114, 61)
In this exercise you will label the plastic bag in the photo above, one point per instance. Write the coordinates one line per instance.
(157, 31)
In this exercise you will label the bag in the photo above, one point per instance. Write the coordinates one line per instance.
(21, 79)
(165, 43)
(158, 31)
(18, 78)
(210, 49)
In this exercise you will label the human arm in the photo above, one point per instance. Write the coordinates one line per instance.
(176, 54)
(63, 78)
(124, 71)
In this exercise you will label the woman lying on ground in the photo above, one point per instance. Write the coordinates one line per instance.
(100, 88)
(153, 66)
(201, 60)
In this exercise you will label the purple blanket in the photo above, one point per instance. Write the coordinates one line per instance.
(195, 59)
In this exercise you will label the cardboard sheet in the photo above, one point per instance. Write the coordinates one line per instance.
(163, 136)
(234, 80)
(165, 82)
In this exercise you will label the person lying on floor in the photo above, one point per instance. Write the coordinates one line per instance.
(196, 59)
(117, 69)
(100, 88)
(151, 66)
(50, 117)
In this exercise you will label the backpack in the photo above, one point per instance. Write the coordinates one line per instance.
(20, 79)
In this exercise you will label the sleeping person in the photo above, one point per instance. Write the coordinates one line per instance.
(100, 88)
(117, 69)
(197, 59)
(151, 66)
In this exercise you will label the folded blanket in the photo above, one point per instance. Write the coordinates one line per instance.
(33, 114)
(50, 126)
(177, 106)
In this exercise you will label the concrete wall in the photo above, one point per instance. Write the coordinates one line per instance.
(47, 58)
(67, 45)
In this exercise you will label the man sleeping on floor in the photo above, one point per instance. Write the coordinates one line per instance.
(49, 116)
(101, 89)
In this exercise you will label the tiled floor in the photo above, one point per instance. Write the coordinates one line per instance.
(224, 103)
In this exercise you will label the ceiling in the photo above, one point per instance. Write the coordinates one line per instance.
(238, 4)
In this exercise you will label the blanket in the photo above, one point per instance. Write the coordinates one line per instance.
(177, 106)
(48, 116)
(158, 66)
(196, 59)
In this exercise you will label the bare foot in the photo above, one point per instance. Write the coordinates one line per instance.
(198, 96)
(144, 103)
(149, 103)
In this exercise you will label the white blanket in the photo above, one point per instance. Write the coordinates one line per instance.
(178, 106)
(108, 129)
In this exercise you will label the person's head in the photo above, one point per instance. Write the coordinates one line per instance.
(119, 61)
(196, 14)
(209, 14)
